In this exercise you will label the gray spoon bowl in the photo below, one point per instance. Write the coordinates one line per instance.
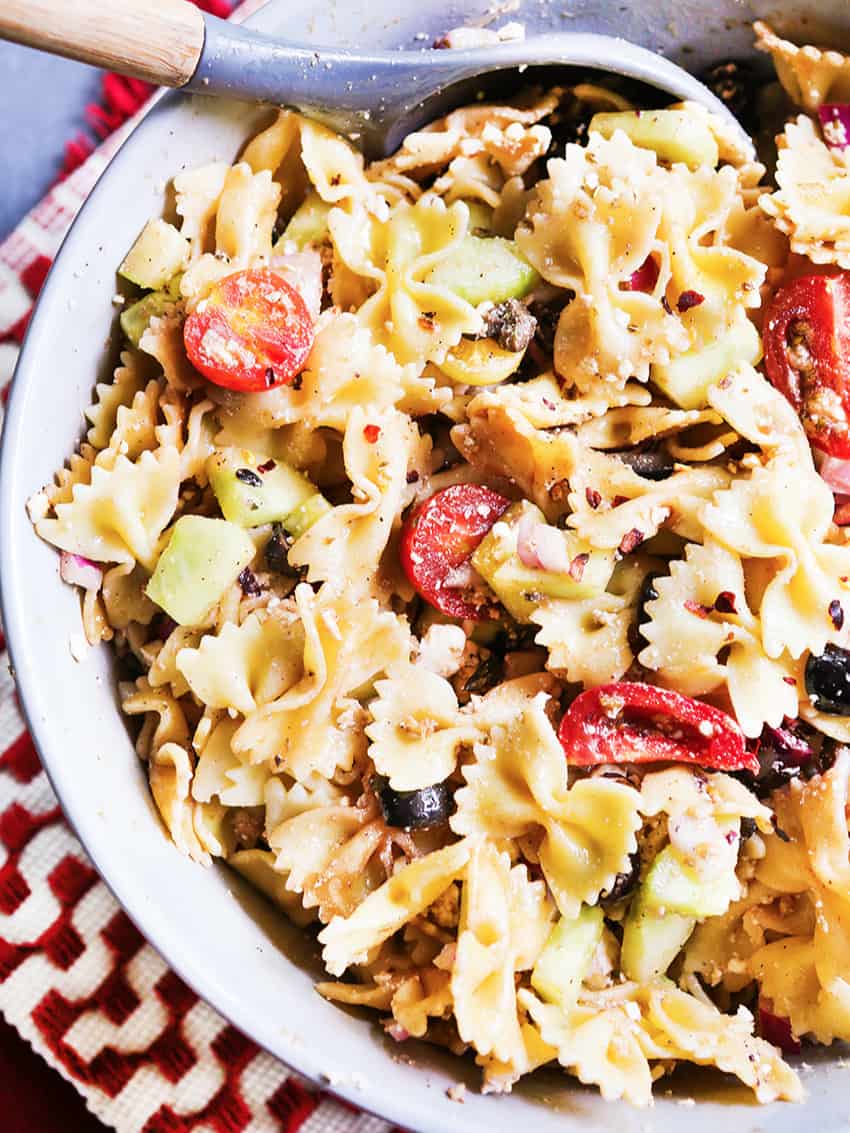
(377, 99)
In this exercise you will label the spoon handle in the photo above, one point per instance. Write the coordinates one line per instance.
(157, 40)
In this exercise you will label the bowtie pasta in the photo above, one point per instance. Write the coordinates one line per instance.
(470, 530)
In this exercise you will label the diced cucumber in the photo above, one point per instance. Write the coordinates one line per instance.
(651, 941)
(253, 489)
(158, 254)
(308, 224)
(303, 517)
(203, 557)
(675, 135)
(672, 885)
(686, 379)
(480, 217)
(521, 589)
(482, 268)
(480, 362)
(567, 956)
(135, 319)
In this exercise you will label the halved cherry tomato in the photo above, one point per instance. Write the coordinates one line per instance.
(777, 1029)
(251, 332)
(644, 279)
(437, 541)
(807, 356)
(630, 722)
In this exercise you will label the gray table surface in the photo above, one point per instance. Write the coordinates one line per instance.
(42, 106)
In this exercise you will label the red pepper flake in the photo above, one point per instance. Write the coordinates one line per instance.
(577, 566)
(427, 320)
(694, 607)
(689, 299)
(724, 603)
(371, 433)
(630, 541)
(836, 613)
(593, 497)
(790, 681)
(617, 500)
(412, 476)
(267, 467)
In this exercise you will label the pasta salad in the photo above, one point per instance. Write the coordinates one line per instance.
(469, 527)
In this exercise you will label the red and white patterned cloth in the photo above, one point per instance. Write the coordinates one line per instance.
(77, 980)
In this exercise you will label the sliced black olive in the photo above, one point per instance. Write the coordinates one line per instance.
(748, 828)
(511, 324)
(249, 476)
(250, 586)
(276, 553)
(648, 593)
(486, 676)
(736, 83)
(624, 882)
(792, 751)
(414, 810)
(828, 681)
(651, 464)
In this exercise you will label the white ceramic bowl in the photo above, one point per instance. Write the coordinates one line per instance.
(223, 938)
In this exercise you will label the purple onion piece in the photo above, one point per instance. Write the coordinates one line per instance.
(786, 746)
(835, 124)
(79, 571)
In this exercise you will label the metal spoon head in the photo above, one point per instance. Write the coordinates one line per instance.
(377, 99)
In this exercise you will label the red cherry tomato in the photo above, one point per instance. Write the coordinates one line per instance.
(807, 356)
(437, 541)
(777, 1029)
(251, 332)
(644, 279)
(629, 722)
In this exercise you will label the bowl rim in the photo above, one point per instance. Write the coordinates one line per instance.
(299, 1058)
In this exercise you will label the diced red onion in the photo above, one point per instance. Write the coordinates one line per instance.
(541, 547)
(645, 278)
(835, 124)
(842, 511)
(397, 1032)
(776, 1029)
(79, 571)
(303, 270)
(836, 473)
(786, 746)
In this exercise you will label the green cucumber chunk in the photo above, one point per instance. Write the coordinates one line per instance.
(253, 489)
(303, 517)
(651, 941)
(158, 254)
(566, 957)
(135, 318)
(675, 135)
(687, 379)
(308, 224)
(484, 268)
(521, 589)
(672, 885)
(203, 558)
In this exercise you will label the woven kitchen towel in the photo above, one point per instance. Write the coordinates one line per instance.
(77, 980)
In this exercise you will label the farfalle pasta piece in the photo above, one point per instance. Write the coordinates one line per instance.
(163, 340)
(518, 785)
(600, 1045)
(170, 773)
(500, 910)
(124, 597)
(606, 208)
(120, 515)
(128, 379)
(257, 866)
(165, 721)
(811, 202)
(198, 192)
(701, 613)
(810, 76)
(416, 728)
(546, 405)
(348, 940)
(783, 513)
(356, 534)
(247, 665)
(682, 790)
(317, 726)
(221, 774)
(757, 411)
(589, 639)
(415, 319)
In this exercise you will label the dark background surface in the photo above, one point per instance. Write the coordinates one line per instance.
(42, 106)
